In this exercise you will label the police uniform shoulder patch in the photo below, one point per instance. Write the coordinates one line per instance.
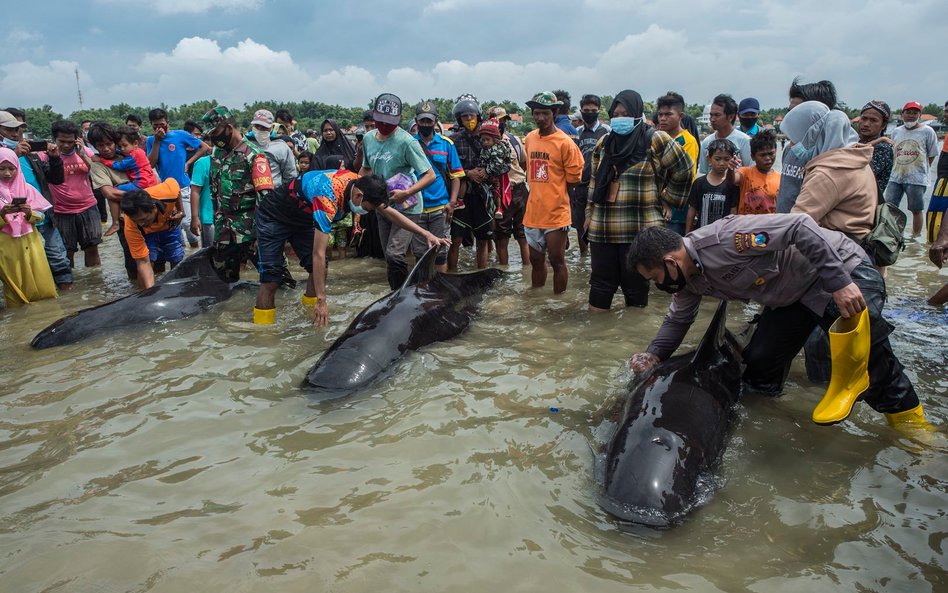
(744, 241)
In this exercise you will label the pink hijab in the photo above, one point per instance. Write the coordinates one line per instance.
(17, 225)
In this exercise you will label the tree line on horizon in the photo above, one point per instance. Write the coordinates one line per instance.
(311, 114)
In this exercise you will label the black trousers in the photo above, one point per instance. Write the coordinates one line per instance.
(782, 331)
(610, 271)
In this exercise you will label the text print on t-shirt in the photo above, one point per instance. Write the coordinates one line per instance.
(539, 166)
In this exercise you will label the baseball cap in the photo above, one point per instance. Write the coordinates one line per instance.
(912, 105)
(262, 117)
(748, 105)
(8, 121)
(426, 110)
(387, 109)
(497, 112)
(490, 127)
(544, 100)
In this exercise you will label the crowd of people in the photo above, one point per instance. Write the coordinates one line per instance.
(647, 201)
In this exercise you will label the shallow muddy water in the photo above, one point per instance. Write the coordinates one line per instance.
(183, 457)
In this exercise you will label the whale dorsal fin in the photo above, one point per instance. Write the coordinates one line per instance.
(424, 269)
(713, 336)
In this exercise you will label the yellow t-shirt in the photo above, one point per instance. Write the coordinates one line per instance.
(553, 161)
(691, 146)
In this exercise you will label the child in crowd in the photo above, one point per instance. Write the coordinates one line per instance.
(135, 164)
(23, 265)
(758, 184)
(712, 196)
(495, 159)
(303, 161)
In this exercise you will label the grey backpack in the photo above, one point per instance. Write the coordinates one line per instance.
(885, 242)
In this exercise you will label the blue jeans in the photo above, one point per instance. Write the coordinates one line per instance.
(55, 252)
(914, 194)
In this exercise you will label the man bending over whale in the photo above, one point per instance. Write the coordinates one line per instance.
(151, 228)
(303, 215)
(803, 275)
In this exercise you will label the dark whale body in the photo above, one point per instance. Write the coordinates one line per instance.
(429, 307)
(190, 288)
(673, 432)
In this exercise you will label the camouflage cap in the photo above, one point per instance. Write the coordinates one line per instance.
(217, 116)
(544, 100)
(497, 112)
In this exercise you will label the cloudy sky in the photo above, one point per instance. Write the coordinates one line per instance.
(145, 52)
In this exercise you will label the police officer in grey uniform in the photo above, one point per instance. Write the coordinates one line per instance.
(804, 276)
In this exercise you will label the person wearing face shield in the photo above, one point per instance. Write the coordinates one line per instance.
(916, 146)
(804, 275)
(240, 179)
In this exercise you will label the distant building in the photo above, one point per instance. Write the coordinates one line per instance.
(704, 122)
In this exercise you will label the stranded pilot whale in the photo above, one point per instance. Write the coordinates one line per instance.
(429, 307)
(188, 289)
(673, 431)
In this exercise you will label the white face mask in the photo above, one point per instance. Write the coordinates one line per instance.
(261, 136)
(911, 124)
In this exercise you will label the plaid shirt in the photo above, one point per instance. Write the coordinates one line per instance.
(638, 204)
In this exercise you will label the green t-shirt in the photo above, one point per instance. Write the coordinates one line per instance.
(400, 153)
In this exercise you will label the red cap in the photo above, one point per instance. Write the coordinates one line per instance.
(912, 105)
(490, 127)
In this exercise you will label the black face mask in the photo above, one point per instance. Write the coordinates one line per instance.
(426, 131)
(748, 122)
(670, 285)
(222, 140)
(590, 118)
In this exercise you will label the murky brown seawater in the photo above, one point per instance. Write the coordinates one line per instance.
(183, 457)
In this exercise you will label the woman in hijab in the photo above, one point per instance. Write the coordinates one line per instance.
(334, 143)
(23, 265)
(839, 190)
(872, 123)
(634, 170)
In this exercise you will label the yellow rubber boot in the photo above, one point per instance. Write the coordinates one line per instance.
(849, 350)
(309, 301)
(909, 420)
(264, 316)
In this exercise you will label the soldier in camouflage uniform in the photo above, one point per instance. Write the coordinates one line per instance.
(240, 177)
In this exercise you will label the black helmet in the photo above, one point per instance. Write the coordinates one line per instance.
(466, 104)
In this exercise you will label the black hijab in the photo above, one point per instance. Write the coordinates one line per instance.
(340, 147)
(621, 152)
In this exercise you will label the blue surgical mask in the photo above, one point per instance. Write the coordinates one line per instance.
(622, 126)
(802, 153)
(11, 144)
(357, 208)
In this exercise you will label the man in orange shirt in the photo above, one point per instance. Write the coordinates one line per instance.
(151, 228)
(554, 167)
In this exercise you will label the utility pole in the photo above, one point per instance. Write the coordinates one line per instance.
(78, 88)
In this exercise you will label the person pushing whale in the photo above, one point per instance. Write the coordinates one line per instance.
(804, 276)
(304, 215)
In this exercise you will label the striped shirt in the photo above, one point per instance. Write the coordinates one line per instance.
(637, 204)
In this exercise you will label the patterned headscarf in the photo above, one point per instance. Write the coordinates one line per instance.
(881, 106)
